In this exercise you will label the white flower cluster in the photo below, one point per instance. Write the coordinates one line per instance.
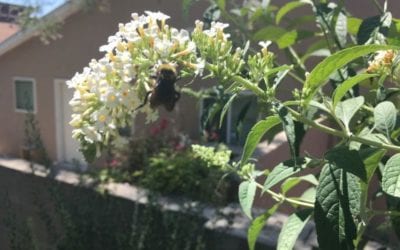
(110, 89)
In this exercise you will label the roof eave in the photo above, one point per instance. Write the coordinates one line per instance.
(59, 14)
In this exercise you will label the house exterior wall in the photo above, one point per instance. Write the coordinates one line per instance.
(82, 33)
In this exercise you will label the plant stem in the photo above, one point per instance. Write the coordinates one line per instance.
(296, 77)
(282, 198)
(378, 6)
(341, 134)
(260, 93)
(249, 85)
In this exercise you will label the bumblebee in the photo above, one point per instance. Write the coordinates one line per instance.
(164, 92)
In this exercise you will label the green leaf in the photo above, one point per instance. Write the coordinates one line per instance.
(255, 135)
(309, 195)
(318, 76)
(247, 191)
(272, 33)
(289, 128)
(371, 158)
(371, 27)
(292, 228)
(287, 39)
(221, 4)
(280, 76)
(366, 28)
(341, 28)
(391, 176)
(301, 21)
(394, 33)
(376, 137)
(257, 225)
(291, 182)
(285, 9)
(385, 114)
(225, 109)
(353, 24)
(342, 89)
(337, 203)
(321, 106)
(88, 150)
(316, 53)
(348, 160)
(305, 34)
(284, 170)
(282, 68)
(319, 45)
(347, 109)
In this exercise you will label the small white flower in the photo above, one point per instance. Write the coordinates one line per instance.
(200, 66)
(265, 44)
(101, 119)
(76, 120)
(219, 25)
(91, 134)
(163, 47)
(157, 15)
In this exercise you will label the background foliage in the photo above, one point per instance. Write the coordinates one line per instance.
(360, 107)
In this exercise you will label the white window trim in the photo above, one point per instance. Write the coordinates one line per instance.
(59, 120)
(35, 107)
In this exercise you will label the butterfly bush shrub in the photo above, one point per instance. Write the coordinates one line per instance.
(109, 90)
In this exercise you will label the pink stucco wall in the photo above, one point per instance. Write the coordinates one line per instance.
(82, 33)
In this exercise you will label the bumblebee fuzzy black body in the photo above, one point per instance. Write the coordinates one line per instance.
(164, 93)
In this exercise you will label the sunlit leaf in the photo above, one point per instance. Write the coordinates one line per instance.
(285, 9)
(284, 170)
(257, 225)
(292, 228)
(348, 160)
(344, 87)
(337, 203)
(247, 191)
(391, 176)
(345, 110)
(385, 114)
(319, 75)
(255, 135)
(291, 182)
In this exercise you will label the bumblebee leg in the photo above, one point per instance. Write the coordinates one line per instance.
(189, 83)
(145, 101)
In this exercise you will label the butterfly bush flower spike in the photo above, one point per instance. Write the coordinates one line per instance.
(109, 89)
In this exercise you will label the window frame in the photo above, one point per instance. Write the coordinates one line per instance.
(228, 116)
(34, 94)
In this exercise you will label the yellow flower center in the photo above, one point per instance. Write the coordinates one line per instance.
(112, 98)
(102, 118)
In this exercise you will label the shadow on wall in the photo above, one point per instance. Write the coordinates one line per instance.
(41, 213)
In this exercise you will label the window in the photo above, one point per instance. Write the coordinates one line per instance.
(238, 121)
(24, 95)
(242, 116)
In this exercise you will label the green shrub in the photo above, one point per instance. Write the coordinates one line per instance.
(182, 173)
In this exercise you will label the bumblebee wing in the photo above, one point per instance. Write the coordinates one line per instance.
(155, 99)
